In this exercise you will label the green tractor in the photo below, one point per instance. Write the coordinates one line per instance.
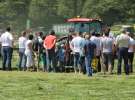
(79, 25)
(86, 25)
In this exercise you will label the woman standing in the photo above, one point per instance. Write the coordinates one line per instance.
(29, 53)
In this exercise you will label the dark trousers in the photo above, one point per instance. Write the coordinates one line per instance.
(50, 59)
(7, 56)
(99, 64)
(123, 54)
(44, 61)
(82, 63)
(108, 60)
(130, 61)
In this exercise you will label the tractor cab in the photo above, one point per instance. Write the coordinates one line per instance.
(86, 25)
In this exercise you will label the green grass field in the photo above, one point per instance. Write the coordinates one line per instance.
(65, 86)
(18, 85)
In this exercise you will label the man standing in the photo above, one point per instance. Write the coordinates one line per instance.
(77, 46)
(38, 46)
(107, 46)
(49, 45)
(6, 40)
(95, 38)
(90, 52)
(131, 52)
(122, 43)
(22, 45)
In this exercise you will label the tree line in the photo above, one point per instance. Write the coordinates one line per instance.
(48, 12)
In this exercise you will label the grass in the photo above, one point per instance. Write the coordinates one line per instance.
(65, 86)
(17, 85)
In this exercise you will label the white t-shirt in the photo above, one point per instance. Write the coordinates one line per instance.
(27, 49)
(122, 40)
(107, 44)
(97, 41)
(77, 44)
(131, 45)
(6, 39)
(22, 42)
(40, 39)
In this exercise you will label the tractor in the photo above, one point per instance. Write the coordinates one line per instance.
(86, 25)
(78, 25)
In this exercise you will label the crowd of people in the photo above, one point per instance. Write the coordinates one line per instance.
(80, 51)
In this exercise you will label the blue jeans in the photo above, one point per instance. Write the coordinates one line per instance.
(7, 56)
(76, 60)
(123, 54)
(22, 62)
(88, 61)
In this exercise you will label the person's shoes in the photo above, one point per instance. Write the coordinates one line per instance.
(75, 72)
(4, 69)
(9, 69)
(90, 75)
(127, 73)
(111, 73)
(118, 73)
(19, 69)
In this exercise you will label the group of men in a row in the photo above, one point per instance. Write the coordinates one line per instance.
(104, 48)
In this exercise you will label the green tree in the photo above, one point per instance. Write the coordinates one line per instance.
(109, 10)
(14, 12)
(70, 8)
(47, 12)
(44, 13)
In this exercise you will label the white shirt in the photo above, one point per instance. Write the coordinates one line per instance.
(27, 44)
(6, 39)
(107, 44)
(40, 39)
(27, 49)
(97, 41)
(22, 42)
(131, 45)
(122, 40)
(77, 44)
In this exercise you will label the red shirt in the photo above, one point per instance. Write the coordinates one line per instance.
(50, 41)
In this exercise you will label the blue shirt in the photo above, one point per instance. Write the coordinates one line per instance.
(77, 45)
(89, 48)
